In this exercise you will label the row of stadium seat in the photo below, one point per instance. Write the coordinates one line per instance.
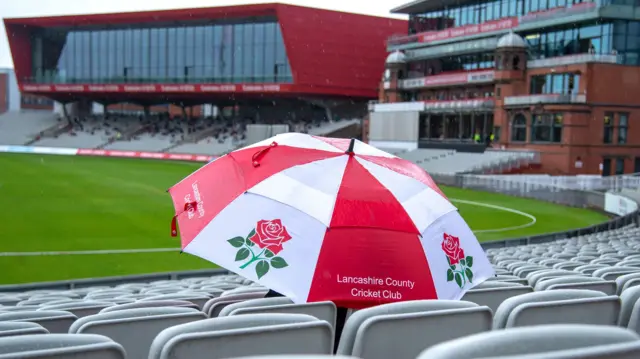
(591, 282)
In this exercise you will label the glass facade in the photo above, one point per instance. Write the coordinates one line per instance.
(478, 12)
(556, 83)
(622, 37)
(224, 53)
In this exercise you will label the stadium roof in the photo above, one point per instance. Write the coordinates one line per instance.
(421, 6)
(324, 60)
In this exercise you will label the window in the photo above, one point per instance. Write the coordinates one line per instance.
(547, 128)
(623, 127)
(608, 128)
(620, 166)
(567, 83)
(519, 128)
(496, 133)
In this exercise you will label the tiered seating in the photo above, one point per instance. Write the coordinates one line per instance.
(18, 128)
(573, 298)
(209, 146)
(450, 161)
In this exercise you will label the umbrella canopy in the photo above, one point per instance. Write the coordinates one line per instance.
(328, 219)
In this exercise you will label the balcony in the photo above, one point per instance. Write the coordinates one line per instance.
(459, 105)
(452, 79)
(549, 99)
(572, 60)
(532, 20)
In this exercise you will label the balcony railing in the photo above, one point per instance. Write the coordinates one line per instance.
(496, 25)
(457, 105)
(572, 60)
(531, 100)
(449, 79)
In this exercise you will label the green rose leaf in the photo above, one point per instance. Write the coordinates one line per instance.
(469, 261)
(247, 240)
(458, 278)
(463, 262)
(236, 242)
(278, 262)
(243, 253)
(452, 267)
(469, 274)
(449, 275)
(262, 268)
(269, 254)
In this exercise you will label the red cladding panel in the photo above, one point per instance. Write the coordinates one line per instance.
(20, 46)
(336, 49)
(334, 53)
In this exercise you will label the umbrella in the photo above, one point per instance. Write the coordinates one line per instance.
(317, 219)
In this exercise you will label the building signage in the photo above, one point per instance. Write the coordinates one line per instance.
(558, 12)
(177, 88)
(449, 79)
(469, 30)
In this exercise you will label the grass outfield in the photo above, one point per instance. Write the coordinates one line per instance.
(65, 203)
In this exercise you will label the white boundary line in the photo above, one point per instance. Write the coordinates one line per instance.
(532, 218)
(104, 251)
(159, 250)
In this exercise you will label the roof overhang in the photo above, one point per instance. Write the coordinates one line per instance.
(422, 6)
(143, 17)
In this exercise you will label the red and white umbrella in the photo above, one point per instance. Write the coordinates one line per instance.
(319, 218)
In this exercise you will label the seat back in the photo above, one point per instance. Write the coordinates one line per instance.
(326, 311)
(8, 329)
(252, 303)
(355, 320)
(79, 308)
(503, 312)
(546, 340)
(151, 304)
(244, 335)
(493, 297)
(406, 335)
(135, 328)
(57, 321)
(60, 346)
(600, 311)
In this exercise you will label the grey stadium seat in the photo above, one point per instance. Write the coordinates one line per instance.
(60, 346)
(54, 321)
(565, 341)
(8, 329)
(558, 306)
(361, 330)
(135, 329)
(244, 335)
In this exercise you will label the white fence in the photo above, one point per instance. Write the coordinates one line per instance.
(582, 183)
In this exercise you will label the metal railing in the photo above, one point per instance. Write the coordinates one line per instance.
(530, 100)
(572, 59)
(544, 192)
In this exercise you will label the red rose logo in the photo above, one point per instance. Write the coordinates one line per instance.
(451, 247)
(270, 235)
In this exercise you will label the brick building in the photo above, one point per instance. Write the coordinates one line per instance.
(561, 78)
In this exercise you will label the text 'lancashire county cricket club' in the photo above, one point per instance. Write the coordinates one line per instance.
(376, 293)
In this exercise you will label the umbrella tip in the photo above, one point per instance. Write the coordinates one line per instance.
(351, 146)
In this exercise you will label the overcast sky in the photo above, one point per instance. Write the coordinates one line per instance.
(27, 8)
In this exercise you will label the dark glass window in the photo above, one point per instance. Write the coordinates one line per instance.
(547, 128)
(562, 83)
(619, 166)
(225, 53)
(519, 128)
(608, 127)
(623, 127)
